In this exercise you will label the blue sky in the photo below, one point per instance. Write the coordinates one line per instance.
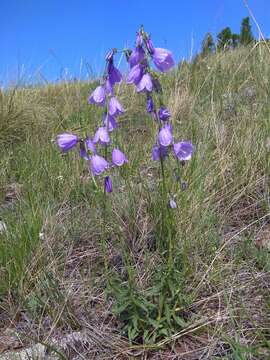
(54, 37)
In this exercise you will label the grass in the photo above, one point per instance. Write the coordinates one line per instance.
(52, 277)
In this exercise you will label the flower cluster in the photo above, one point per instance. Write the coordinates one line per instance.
(103, 96)
(145, 80)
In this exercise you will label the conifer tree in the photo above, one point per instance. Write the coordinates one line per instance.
(246, 36)
(224, 38)
(208, 45)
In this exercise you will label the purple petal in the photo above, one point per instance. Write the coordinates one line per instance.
(165, 136)
(98, 96)
(67, 141)
(135, 75)
(118, 158)
(172, 204)
(98, 164)
(114, 74)
(109, 122)
(159, 152)
(150, 105)
(83, 151)
(163, 113)
(101, 136)
(163, 59)
(108, 184)
(90, 145)
(136, 56)
(115, 108)
(183, 150)
(145, 83)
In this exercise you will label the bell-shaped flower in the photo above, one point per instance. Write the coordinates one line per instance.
(67, 141)
(136, 56)
(109, 122)
(98, 96)
(114, 75)
(135, 75)
(108, 184)
(163, 59)
(83, 151)
(165, 136)
(98, 164)
(90, 145)
(163, 113)
(145, 84)
(172, 203)
(101, 136)
(183, 150)
(150, 105)
(118, 158)
(159, 152)
(115, 108)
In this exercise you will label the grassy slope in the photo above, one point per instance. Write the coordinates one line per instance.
(56, 285)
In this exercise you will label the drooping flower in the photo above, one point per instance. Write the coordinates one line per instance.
(98, 164)
(115, 108)
(135, 74)
(101, 136)
(163, 59)
(150, 104)
(165, 136)
(98, 96)
(67, 141)
(114, 75)
(159, 152)
(108, 184)
(163, 113)
(90, 145)
(118, 158)
(172, 203)
(183, 150)
(109, 122)
(83, 151)
(137, 54)
(145, 84)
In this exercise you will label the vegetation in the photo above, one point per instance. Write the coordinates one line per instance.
(226, 39)
(52, 277)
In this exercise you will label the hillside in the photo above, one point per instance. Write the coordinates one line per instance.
(58, 252)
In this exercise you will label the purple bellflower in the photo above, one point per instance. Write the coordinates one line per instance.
(172, 204)
(101, 136)
(109, 122)
(83, 151)
(90, 145)
(165, 136)
(135, 75)
(114, 75)
(118, 158)
(163, 113)
(98, 164)
(67, 141)
(159, 152)
(115, 108)
(108, 184)
(162, 58)
(98, 96)
(138, 53)
(183, 150)
(145, 84)
(150, 105)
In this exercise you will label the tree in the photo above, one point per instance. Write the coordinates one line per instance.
(246, 36)
(208, 45)
(224, 38)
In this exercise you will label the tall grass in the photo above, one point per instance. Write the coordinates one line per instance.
(51, 258)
